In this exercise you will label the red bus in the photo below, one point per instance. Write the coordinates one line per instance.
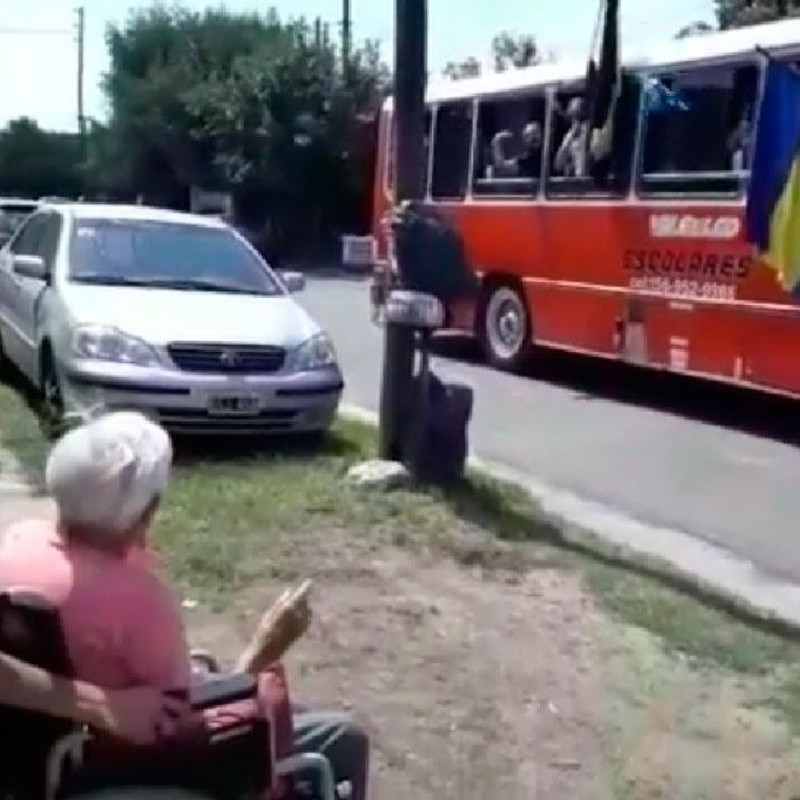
(647, 262)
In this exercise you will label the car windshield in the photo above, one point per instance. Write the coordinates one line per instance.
(123, 252)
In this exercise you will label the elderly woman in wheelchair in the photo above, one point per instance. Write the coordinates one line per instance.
(81, 598)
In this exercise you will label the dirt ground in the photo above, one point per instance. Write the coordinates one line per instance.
(512, 686)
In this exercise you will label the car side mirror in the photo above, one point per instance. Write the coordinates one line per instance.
(30, 267)
(294, 281)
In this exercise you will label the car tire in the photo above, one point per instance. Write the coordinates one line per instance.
(506, 327)
(313, 440)
(52, 397)
(5, 364)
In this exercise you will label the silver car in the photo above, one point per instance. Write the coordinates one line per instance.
(176, 315)
(13, 211)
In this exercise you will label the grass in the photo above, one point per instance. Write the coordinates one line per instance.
(638, 595)
(22, 430)
(234, 515)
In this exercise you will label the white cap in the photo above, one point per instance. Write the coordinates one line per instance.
(106, 473)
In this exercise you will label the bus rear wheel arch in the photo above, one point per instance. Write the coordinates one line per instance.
(505, 325)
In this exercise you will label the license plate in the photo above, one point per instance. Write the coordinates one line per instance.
(227, 405)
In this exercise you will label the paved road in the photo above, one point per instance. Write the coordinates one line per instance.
(718, 463)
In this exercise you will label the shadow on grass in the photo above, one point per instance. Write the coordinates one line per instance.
(193, 450)
(687, 615)
(510, 515)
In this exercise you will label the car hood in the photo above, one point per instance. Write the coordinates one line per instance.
(161, 316)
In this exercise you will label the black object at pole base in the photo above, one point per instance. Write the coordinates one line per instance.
(398, 368)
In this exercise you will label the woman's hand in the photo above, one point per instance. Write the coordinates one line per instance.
(280, 627)
(140, 715)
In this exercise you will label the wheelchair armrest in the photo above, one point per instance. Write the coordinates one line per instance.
(220, 690)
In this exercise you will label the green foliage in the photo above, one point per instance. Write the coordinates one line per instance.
(513, 52)
(695, 29)
(468, 68)
(509, 51)
(34, 162)
(242, 102)
(245, 103)
(738, 13)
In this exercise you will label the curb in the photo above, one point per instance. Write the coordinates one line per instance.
(708, 571)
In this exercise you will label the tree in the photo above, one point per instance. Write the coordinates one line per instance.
(34, 162)
(508, 52)
(245, 103)
(513, 52)
(468, 68)
(738, 13)
(695, 29)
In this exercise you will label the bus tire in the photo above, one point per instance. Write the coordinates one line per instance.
(506, 327)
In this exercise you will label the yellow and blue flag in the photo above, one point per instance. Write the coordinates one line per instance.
(773, 204)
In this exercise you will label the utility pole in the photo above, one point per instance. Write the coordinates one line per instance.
(410, 70)
(81, 37)
(347, 37)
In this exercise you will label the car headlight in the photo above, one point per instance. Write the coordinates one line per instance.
(316, 353)
(108, 344)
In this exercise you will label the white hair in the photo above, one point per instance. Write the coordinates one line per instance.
(105, 474)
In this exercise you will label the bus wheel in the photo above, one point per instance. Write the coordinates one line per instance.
(506, 329)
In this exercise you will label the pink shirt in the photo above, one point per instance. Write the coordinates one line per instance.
(122, 624)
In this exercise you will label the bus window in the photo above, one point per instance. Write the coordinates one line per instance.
(569, 145)
(508, 156)
(451, 150)
(572, 169)
(391, 156)
(698, 135)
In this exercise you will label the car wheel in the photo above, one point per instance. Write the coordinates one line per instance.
(5, 364)
(312, 440)
(506, 329)
(52, 398)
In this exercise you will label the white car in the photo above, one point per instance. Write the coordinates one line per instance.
(176, 315)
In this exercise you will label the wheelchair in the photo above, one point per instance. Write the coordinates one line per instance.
(231, 756)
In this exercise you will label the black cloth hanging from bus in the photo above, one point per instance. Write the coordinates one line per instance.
(604, 85)
(430, 254)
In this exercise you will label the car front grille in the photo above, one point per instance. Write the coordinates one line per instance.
(227, 359)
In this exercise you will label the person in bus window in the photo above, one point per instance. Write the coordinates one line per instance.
(502, 166)
(570, 161)
(739, 143)
(529, 164)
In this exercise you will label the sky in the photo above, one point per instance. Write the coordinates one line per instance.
(38, 51)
